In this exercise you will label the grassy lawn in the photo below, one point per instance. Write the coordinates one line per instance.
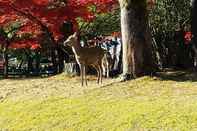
(59, 103)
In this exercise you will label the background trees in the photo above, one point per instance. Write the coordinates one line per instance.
(46, 18)
(194, 20)
(168, 21)
(103, 24)
(44, 24)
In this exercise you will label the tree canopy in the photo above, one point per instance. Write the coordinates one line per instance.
(38, 16)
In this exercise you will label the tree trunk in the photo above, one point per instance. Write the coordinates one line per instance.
(37, 68)
(136, 38)
(54, 60)
(60, 60)
(29, 62)
(5, 63)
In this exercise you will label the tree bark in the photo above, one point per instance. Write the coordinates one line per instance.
(136, 38)
(37, 68)
(54, 60)
(29, 62)
(60, 60)
(5, 63)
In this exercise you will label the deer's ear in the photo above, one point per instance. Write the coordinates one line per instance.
(75, 34)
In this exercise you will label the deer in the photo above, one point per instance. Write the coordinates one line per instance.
(86, 56)
(107, 64)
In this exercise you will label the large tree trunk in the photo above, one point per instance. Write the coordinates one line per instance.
(136, 38)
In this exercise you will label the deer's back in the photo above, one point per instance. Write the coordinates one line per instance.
(91, 55)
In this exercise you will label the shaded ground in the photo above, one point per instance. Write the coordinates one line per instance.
(166, 102)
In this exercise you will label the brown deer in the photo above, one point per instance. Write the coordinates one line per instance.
(107, 63)
(86, 56)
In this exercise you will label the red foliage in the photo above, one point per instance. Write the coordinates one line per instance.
(116, 34)
(188, 37)
(31, 44)
(41, 2)
(30, 28)
(51, 13)
(150, 4)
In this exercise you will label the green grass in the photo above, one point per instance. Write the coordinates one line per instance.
(167, 103)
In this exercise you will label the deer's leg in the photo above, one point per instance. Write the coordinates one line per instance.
(107, 70)
(81, 73)
(104, 69)
(101, 77)
(98, 75)
(84, 70)
(100, 72)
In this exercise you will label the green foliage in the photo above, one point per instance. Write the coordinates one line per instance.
(11, 29)
(169, 15)
(104, 24)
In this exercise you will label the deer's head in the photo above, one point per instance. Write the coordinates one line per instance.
(71, 40)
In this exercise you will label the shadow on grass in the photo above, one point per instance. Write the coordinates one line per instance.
(167, 74)
(24, 77)
(178, 75)
(109, 84)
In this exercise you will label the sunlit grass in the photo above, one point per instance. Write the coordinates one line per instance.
(60, 103)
